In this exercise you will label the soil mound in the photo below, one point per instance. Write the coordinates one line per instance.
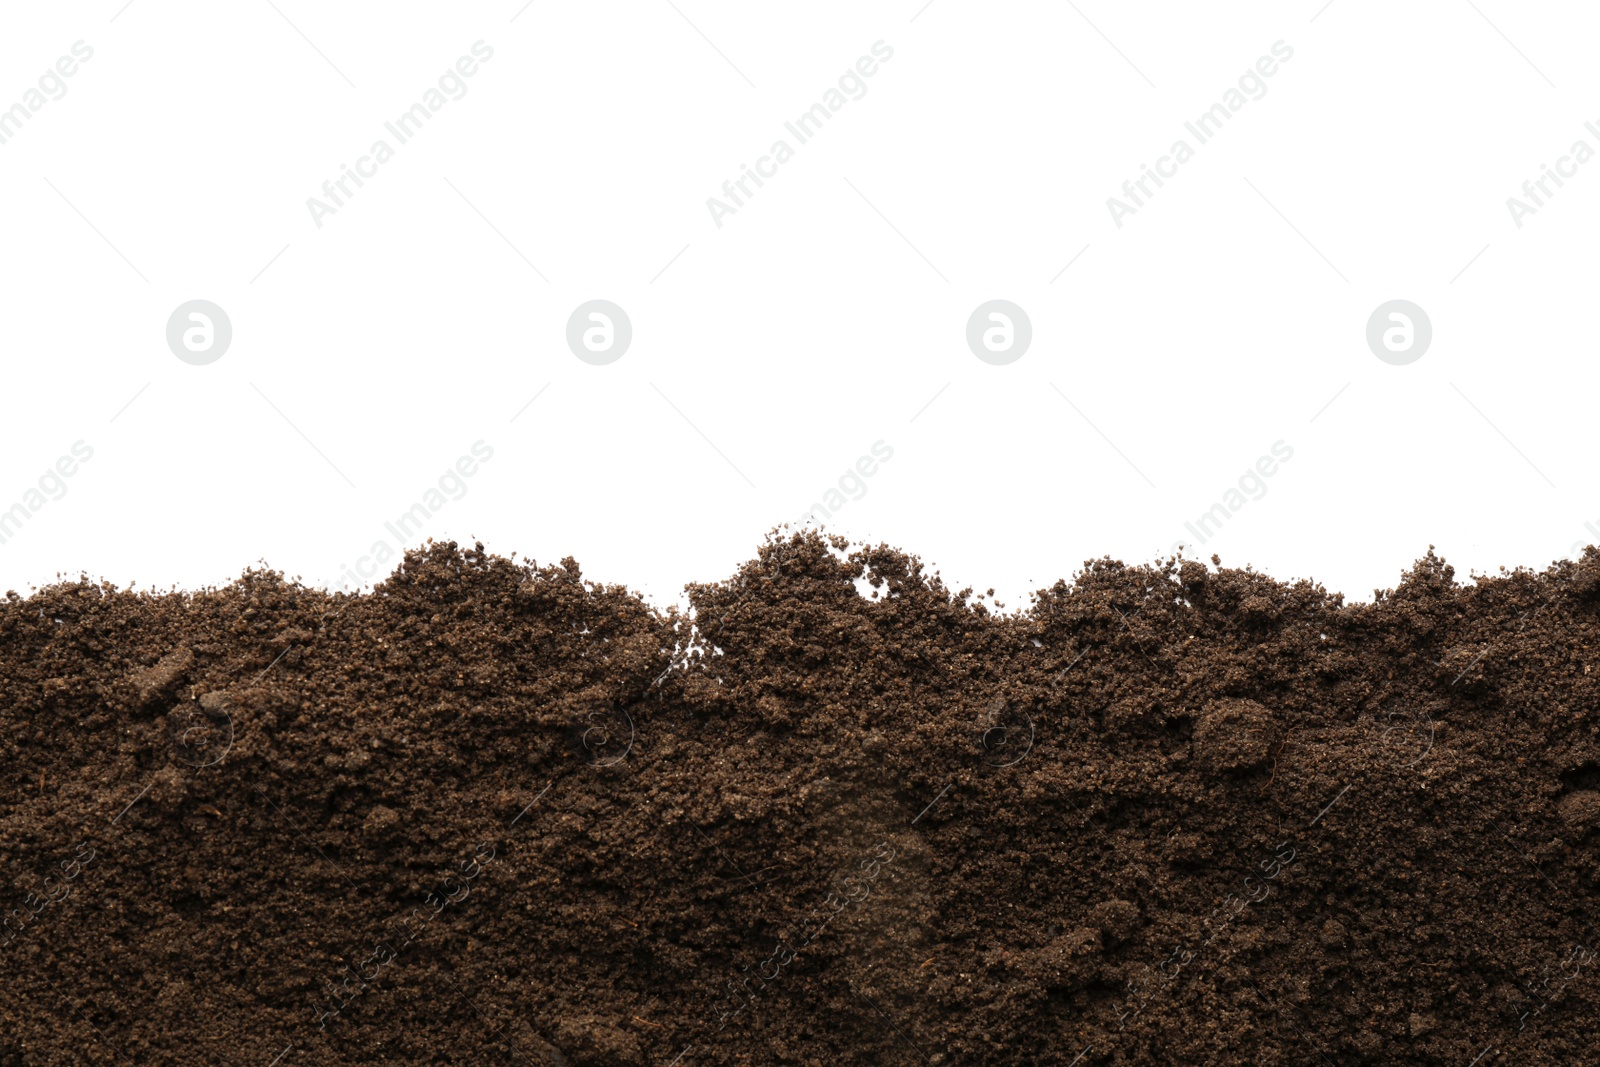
(493, 812)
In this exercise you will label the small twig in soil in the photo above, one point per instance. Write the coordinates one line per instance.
(1275, 762)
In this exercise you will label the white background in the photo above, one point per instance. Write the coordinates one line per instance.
(823, 316)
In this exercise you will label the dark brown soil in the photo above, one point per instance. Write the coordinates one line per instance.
(494, 813)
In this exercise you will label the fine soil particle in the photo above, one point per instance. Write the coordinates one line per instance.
(494, 813)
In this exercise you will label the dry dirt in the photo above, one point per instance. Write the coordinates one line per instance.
(495, 813)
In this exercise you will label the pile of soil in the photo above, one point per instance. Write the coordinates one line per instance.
(834, 813)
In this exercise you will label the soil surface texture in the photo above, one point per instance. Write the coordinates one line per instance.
(832, 813)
